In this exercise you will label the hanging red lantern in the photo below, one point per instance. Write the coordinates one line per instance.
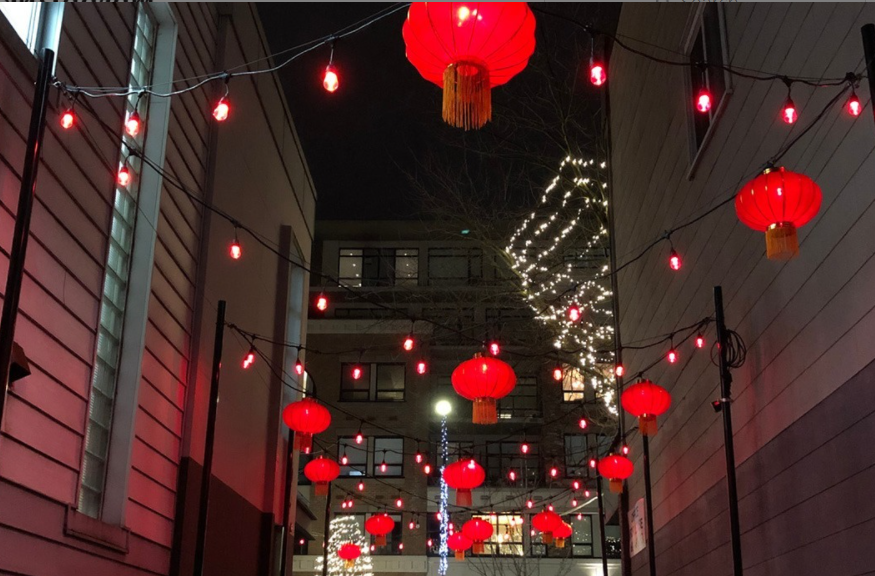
(458, 543)
(379, 525)
(321, 471)
(349, 553)
(478, 531)
(616, 468)
(546, 523)
(646, 400)
(778, 202)
(467, 49)
(562, 533)
(463, 476)
(484, 380)
(306, 417)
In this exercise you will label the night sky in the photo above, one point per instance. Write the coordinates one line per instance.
(364, 142)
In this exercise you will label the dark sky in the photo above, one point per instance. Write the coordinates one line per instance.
(364, 140)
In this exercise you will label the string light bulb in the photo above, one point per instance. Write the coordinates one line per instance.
(222, 109)
(788, 110)
(421, 367)
(356, 372)
(703, 101)
(574, 502)
(674, 260)
(700, 341)
(524, 447)
(494, 348)
(359, 437)
(132, 124)
(299, 367)
(344, 459)
(249, 359)
(558, 374)
(554, 472)
(626, 449)
(330, 79)
(418, 457)
(235, 250)
(411, 525)
(579, 516)
(68, 118)
(586, 493)
(408, 344)
(574, 313)
(619, 370)
(123, 177)
(854, 107)
(576, 485)
(322, 302)
(593, 463)
(598, 75)
(399, 503)
(511, 475)
(383, 465)
(361, 486)
(530, 504)
(582, 423)
(672, 356)
(550, 507)
(426, 469)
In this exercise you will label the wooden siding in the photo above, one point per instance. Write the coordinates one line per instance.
(804, 321)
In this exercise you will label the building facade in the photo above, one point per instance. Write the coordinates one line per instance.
(802, 401)
(393, 275)
(102, 444)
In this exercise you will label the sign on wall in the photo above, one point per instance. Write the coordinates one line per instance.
(637, 528)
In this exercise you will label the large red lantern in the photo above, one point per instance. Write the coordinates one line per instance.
(778, 202)
(546, 523)
(458, 543)
(467, 48)
(484, 380)
(379, 525)
(616, 468)
(478, 531)
(320, 472)
(349, 553)
(646, 400)
(463, 476)
(562, 533)
(306, 417)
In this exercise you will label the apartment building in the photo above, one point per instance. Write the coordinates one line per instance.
(102, 443)
(391, 274)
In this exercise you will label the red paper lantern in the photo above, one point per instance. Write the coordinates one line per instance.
(349, 553)
(616, 468)
(379, 525)
(646, 400)
(458, 543)
(463, 476)
(467, 48)
(778, 202)
(306, 417)
(546, 523)
(562, 533)
(478, 531)
(483, 380)
(321, 471)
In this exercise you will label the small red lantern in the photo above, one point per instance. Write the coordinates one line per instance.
(463, 476)
(597, 73)
(484, 380)
(320, 472)
(562, 533)
(546, 522)
(646, 400)
(478, 531)
(458, 543)
(379, 525)
(306, 417)
(855, 108)
(467, 49)
(574, 313)
(778, 202)
(616, 468)
(349, 553)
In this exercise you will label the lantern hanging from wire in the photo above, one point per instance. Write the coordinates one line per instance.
(546, 523)
(616, 469)
(468, 48)
(646, 400)
(778, 202)
(458, 543)
(378, 526)
(478, 531)
(306, 417)
(320, 472)
(349, 553)
(484, 380)
(562, 533)
(463, 476)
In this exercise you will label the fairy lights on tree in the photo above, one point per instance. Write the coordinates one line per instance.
(345, 530)
(560, 253)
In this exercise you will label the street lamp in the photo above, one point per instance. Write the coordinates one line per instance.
(443, 408)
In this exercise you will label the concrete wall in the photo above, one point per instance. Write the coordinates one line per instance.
(802, 406)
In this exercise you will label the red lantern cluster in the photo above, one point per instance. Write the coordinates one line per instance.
(306, 417)
(484, 380)
(546, 523)
(778, 202)
(646, 400)
(349, 553)
(378, 526)
(458, 543)
(463, 476)
(467, 49)
(478, 531)
(616, 469)
(320, 472)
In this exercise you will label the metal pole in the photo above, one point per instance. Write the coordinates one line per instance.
(604, 539)
(868, 31)
(325, 536)
(287, 497)
(209, 441)
(648, 502)
(20, 235)
(729, 447)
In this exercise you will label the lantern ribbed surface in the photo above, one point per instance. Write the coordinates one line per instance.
(463, 476)
(478, 531)
(616, 468)
(379, 525)
(321, 471)
(467, 48)
(646, 400)
(483, 380)
(458, 543)
(778, 202)
(546, 522)
(306, 417)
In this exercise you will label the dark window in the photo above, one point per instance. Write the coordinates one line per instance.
(390, 451)
(502, 457)
(356, 454)
(581, 540)
(359, 267)
(355, 390)
(379, 382)
(576, 457)
(707, 47)
(390, 383)
(303, 460)
(393, 539)
(522, 402)
(454, 266)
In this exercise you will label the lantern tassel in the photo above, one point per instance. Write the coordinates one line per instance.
(467, 95)
(485, 411)
(647, 425)
(479, 548)
(303, 442)
(460, 555)
(320, 489)
(463, 497)
(349, 564)
(782, 243)
(547, 538)
(380, 540)
(560, 542)
(616, 486)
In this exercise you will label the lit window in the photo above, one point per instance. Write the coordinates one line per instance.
(573, 385)
(359, 267)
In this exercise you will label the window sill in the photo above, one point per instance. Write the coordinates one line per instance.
(84, 527)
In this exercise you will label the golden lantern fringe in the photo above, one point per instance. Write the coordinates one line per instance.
(782, 242)
(380, 540)
(647, 425)
(479, 548)
(485, 411)
(560, 542)
(349, 564)
(547, 538)
(460, 555)
(616, 486)
(320, 489)
(463, 497)
(467, 95)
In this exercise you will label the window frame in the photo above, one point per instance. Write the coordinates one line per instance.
(576, 463)
(44, 30)
(371, 371)
(375, 463)
(386, 274)
(346, 448)
(570, 394)
(469, 253)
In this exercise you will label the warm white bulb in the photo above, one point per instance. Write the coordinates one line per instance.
(443, 407)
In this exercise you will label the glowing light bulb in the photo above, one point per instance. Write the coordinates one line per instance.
(674, 260)
(235, 250)
(788, 112)
(383, 466)
(357, 373)
(399, 503)
(411, 525)
(421, 367)
(344, 459)
(855, 108)
(494, 348)
(700, 341)
(349, 504)
(619, 370)
(299, 367)
(582, 423)
(123, 177)
(429, 542)
(586, 492)
(249, 359)
(359, 437)
(550, 507)
(593, 463)
(222, 110)
(574, 313)
(511, 476)
(576, 484)
(557, 374)
(68, 119)
(330, 80)
(463, 13)
(426, 469)
(703, 101)
(418, 457)
(672, 356)
(343, 505)
(401, 545)
(530, 504)
(574, 501)
(626, 449)
(579, 516)
(361, 486)
(524, 448)
(132, 124)
(322, 303)
(408, 344)
(598, 75)
(554, 472)
(472, 465)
